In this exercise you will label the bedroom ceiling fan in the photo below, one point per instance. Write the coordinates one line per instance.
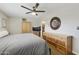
(34, 10)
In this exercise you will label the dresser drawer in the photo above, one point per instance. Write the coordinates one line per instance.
(51, 39)
(61, 49)
(59, 45)
(60, 42)
(54, 50)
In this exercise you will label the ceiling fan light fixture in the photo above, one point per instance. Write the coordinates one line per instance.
(34, 10)
(33, 13)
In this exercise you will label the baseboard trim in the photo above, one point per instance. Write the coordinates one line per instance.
(75, 53)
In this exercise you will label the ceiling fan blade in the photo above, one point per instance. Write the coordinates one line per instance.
(37, 4)
(39, 11)
(28, 12)
(26, 8)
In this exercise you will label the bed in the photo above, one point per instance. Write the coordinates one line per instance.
(23, 44)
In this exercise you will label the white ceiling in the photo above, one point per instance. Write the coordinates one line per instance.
(15, 9)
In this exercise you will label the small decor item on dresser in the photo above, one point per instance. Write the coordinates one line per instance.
(55, 23)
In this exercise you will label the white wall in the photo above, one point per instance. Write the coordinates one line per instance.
(0, 23)
(69, 16)
(34, 19)
(15, 24)
(3, 17)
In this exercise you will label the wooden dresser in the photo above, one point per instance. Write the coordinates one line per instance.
(26, 27)
(59, 45)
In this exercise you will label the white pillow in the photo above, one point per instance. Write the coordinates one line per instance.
(3, 33)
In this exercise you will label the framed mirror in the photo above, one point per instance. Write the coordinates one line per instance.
(55, 23)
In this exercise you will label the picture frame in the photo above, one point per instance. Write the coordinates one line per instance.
(55, 23)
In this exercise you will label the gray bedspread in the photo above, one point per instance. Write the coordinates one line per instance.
(23, 44)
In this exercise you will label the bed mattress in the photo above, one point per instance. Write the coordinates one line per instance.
(23, 44)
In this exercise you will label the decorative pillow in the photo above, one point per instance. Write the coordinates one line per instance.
(3, 33)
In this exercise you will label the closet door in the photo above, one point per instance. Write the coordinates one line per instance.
(26, 27)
